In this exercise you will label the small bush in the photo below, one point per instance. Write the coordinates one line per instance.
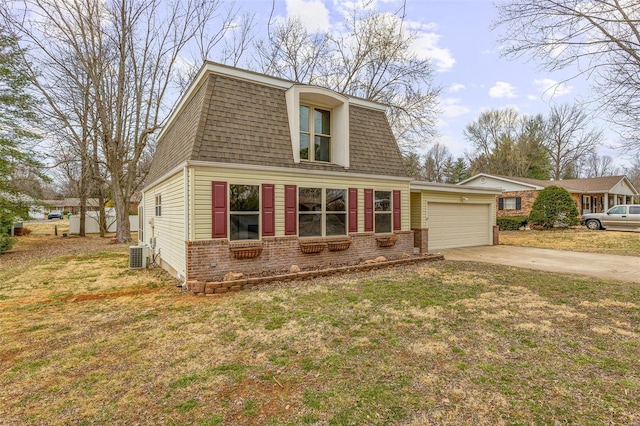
(6, 242)
(511, 223)
(554, 207)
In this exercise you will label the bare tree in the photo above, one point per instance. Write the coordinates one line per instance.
(370, 57)
(435, 162)
(596, 165)
(599, 38)
(570, 140)
(128, 50)
(509, 144)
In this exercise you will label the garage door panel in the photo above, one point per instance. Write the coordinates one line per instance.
(458, 225)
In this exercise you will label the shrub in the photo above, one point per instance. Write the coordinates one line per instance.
(554, 207)
(511, 223)
(6, 242)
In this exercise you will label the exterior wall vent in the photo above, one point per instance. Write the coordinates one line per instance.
(138, 257)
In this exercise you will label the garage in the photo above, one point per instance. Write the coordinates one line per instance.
(458, 225)
(448, 216)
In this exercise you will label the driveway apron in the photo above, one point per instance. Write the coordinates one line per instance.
(606, 266)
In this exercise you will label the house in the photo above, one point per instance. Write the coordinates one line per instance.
(591, 195)
(254, 174)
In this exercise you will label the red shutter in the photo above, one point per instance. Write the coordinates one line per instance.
(219, 209)
(268, 215)
(397, 218)
(368, 210)
(290, 209)
(353, 209)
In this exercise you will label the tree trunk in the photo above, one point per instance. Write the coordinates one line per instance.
(121, 205)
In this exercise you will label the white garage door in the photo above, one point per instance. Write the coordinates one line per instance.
(458, 225)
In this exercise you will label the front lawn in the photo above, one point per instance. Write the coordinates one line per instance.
(576, 239)
(87, 341)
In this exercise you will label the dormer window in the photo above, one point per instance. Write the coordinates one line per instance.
(315, 134)
(319, 125)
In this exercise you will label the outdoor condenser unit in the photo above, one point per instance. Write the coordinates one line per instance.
(138, 257)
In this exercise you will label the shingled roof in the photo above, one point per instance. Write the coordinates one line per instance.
(583, 185)
(227, 119)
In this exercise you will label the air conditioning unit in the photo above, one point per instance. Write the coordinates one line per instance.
(138, 257)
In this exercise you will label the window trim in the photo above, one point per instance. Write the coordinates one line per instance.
(158, 205)
(244, 213)
(323, 212)
(383, 212)
(311, 154)
(321, 97)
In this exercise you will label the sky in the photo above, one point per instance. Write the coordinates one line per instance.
(456, 36)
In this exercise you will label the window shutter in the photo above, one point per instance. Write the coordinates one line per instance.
(353, 209)
(518, 203)
(290, 209)
(219, 209)
(397, 218)
(268, 210)
(368, 210)
(500, 203)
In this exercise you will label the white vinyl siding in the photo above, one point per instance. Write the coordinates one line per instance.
(168, 229)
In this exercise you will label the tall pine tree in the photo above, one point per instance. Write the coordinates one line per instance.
(17, 120)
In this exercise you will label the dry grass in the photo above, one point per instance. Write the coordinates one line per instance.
(576, 239)
(87, 341)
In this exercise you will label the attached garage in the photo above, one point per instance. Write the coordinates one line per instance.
(448, 216)
(458, 225)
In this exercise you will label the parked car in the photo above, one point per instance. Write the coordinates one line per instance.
(627, 216)
(55, 214)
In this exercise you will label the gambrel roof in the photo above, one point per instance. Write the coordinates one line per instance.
(236, 116)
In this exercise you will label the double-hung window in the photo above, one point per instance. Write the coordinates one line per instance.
(322, 212)
(158, 205)
(244, 212)
(315, 134)
(382, 208)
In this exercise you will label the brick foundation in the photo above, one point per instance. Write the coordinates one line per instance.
(210, 260)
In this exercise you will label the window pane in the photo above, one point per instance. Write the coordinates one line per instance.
(244, 227)
(304, 118)
(509, 203)
(383, 201)
(336, 224)
(336, 200)
(632, 210)
(383, 223)
(304, 146)
(322, 148)
(310, 199)
(309, 224)
(322, 122)
(244, 198)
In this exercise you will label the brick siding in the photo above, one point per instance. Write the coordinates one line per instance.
(211, 259)
(527, 198)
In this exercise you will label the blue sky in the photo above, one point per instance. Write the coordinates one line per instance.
(456, 35)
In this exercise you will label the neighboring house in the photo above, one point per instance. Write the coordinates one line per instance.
(72, 205)
(255, 174)
(592, 195)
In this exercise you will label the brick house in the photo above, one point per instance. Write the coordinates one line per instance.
(591, 195)
(254, 174)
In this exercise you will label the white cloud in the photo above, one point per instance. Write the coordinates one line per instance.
(533, 97)
(451, 108)
(456, 87)
(426, 46)
(313, 13)
(502, 90)
(551, 87)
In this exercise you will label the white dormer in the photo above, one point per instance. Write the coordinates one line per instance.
(322, 134)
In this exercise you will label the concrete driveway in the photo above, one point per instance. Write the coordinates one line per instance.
(608, 266)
